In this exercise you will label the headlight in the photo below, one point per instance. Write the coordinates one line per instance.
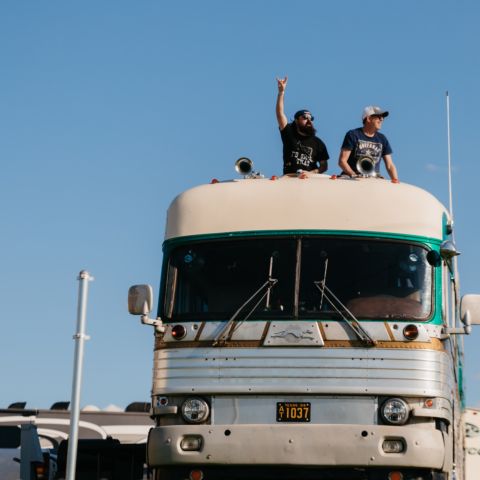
(395, 411)
(195, 410)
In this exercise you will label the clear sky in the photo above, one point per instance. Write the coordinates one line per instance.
(109, 109)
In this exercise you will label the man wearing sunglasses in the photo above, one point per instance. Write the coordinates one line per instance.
(367, 142)
(302, 149)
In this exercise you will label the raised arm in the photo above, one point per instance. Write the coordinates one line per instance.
(281, 117)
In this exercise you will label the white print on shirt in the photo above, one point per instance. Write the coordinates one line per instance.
(369, 149)
(304, 156)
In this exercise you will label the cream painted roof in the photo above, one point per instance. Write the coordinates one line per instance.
(315, 203)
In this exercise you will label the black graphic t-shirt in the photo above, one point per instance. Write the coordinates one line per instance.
(300, 152)
(362, 146)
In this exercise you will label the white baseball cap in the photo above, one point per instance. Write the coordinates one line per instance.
(373, 110)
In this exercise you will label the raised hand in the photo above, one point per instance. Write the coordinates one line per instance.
(282, 84)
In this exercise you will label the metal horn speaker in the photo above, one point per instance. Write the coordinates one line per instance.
(366, 166)
(244, 166)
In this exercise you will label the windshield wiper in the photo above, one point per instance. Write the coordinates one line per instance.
(352, 322)
(225, 334)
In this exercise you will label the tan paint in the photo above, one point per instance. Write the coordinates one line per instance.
(389, 331)
(435, 344)
(315, 203)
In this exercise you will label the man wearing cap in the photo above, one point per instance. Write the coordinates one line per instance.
(367, 142)
(302, 150)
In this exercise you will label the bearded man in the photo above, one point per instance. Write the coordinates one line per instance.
(302, 149)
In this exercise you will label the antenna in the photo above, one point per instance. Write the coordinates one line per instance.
(450, 207)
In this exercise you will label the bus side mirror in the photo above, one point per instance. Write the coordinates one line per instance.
(140, 299)
(470, 309)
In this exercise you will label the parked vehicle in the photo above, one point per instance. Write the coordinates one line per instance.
(471, 419)
(307, 328)
(112, 444)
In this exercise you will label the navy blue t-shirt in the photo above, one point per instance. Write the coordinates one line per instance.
(363, 146)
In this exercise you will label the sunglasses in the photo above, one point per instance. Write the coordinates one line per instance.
(308, 117)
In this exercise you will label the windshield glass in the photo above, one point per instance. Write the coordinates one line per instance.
(374, 279)
(213, 280)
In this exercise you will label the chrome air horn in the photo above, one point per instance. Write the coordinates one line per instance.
(366, 167)
(244, 166)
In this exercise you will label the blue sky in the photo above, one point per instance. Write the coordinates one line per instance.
(109, 109)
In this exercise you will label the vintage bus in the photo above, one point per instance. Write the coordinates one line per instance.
(308, 328)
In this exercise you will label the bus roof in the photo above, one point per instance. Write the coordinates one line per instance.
(314, 203)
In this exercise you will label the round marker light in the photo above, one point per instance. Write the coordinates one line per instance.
(428, 403)
(195, 410)
(410, 332)
(395, 411)
(395, 476)
(214, 180)
(179, 332)
(196, 475)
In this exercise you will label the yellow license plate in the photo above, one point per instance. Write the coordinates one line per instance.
(293, 411)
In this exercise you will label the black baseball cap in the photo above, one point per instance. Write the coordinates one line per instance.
(303, 112)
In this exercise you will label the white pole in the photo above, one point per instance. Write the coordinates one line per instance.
(80, 337)
(449, 159)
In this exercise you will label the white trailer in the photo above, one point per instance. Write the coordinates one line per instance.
(471, 418)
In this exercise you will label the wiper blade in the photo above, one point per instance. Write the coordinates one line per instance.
(225, 334)
(352, 322)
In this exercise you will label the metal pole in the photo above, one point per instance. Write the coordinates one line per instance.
(449, 158)
(80, 337)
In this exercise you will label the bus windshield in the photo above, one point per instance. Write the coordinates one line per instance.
(275, 278)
